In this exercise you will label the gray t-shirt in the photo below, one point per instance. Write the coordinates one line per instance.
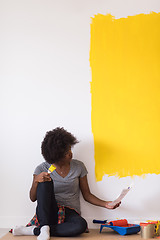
(66, 189)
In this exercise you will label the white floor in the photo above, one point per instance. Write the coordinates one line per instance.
(3, 231)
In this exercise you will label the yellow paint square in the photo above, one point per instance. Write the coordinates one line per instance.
(125, 89)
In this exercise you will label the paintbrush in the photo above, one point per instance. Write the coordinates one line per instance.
(51, 169)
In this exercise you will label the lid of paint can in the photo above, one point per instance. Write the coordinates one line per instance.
(147, 223)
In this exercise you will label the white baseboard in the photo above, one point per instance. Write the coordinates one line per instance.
(12, 221)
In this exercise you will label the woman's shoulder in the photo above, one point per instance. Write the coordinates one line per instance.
(42, 167)
(79, 167)
(77, 163)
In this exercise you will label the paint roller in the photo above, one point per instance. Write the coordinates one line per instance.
(119, 223)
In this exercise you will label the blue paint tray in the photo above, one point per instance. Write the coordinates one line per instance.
(126, 230)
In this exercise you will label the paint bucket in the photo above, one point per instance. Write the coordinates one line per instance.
(148, 230)
(157, 227)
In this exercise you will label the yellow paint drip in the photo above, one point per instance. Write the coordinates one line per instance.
(125, 88)
(157, 228)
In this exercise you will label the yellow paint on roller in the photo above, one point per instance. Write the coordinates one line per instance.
(125, 88)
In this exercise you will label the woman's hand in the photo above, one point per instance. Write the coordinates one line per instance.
(89, 197)
(42, 177)
(108, 206)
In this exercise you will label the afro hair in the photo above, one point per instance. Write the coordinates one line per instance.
(56, 143)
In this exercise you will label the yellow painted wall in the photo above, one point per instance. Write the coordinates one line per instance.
(125, 88)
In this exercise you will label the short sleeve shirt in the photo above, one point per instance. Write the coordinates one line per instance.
(66, 189)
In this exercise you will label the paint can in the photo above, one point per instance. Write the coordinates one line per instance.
(157, 227)
(148, 230)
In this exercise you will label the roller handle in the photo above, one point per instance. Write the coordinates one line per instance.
(99, 221)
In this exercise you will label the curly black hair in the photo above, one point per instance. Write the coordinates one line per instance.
(56, 143)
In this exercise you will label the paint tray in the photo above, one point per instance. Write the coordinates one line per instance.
(123, 229)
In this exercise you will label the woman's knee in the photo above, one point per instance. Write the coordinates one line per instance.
(83, 225)
(80, 226)
(45, 184)
(44, 187)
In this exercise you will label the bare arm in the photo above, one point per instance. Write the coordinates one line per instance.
(42, 177)
(89, 197)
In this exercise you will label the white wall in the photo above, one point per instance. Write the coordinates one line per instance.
(44, 83)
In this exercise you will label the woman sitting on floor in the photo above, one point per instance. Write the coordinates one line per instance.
(57, 193)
